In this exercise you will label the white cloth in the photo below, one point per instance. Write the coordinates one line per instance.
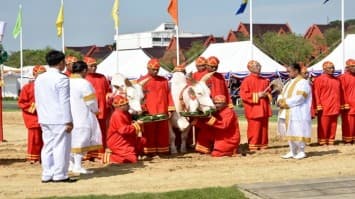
(53, 108)
(55, 153)
(295, 122)
(86, 134)
(52, 97)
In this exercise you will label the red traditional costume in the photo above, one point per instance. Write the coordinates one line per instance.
(257, 110)
(157, 101)
(69, 61)
(217, 82)
(221, 136)
(327, 93)
(26, 102)
(102, 88)
(122, 138)
(347, 81)
(200, 61)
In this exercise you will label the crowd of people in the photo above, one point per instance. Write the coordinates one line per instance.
(72, 114)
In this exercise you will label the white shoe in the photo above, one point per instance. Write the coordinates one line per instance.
(82, 171)
(300, 155)
(71, 165)
(288, 155)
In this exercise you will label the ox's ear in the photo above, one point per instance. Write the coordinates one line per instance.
(128, 83)
(144, 81)
(206, 77)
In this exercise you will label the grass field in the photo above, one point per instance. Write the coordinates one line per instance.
(214, 192)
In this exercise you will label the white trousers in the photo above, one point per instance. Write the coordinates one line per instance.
(296, 146)
(55, 153)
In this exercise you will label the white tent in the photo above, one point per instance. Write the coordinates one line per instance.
(336, 55)
(131, 63)
(234, 57)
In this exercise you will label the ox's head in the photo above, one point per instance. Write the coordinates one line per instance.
(201, 93)
(132, 91)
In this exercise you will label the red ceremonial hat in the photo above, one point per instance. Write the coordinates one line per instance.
(38, 69)
(213, 61)
(153, 63)
(350, 62)
(327, 64)
(89, 60)
(219, 99)
(200, 61)
(119, 100)
(253, 63)
(70, 59)
(180, 68)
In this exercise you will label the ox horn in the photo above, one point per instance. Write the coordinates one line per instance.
(127, 82)
(207, 76)
(144, 81)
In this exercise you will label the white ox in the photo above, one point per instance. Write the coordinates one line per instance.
(187, 98)
(132, 91)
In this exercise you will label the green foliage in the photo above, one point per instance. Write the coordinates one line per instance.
(217, 192)
(3, 55)
(285, 48)
(34, 57)
(332, 36)
(196, 50)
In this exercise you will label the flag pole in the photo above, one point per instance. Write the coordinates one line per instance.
(177, 35)
(251, 28)
(114, 13)
(342, 35)
(21, 52)
(63, 46)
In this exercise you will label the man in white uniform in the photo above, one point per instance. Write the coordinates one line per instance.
(54, 115)
(86, 135)
(294, 119)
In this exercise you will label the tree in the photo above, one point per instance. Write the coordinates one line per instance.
(285, 48)
(196, 50)
(332, 36)
(34, 57)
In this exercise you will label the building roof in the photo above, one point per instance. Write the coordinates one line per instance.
(157, 52)
(260, 29)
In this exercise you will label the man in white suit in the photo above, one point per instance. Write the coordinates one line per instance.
(294, 119)
(52, 99)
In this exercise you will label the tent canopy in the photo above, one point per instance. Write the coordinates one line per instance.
(131, 63)
(336, 56)
(234, 57)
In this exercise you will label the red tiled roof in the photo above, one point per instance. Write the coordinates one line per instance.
(157, 52)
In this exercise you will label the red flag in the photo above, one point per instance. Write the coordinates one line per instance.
(173, 11)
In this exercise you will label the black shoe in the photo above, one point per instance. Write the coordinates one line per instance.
(69, 180)
(47, 181)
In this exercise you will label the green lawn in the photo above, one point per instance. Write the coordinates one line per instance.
(9, 105)
(215, 192)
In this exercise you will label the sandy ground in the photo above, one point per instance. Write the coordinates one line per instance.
(19, 179)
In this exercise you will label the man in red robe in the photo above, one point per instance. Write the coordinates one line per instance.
(256, 101)
(221, 136)
(26, 102)
(327, 93)
(122, 134)
(102, 88)
(347, 82)
(157, 101)
(217, 82)
(69, 61)
(201, 63)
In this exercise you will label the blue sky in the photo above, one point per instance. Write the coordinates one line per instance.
(89, 22)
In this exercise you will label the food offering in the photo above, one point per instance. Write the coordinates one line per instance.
(199, 114)
(153, 118)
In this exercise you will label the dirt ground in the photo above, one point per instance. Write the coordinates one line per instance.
(19, 179)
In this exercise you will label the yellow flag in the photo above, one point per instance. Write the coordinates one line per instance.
(115, 13)
(60, 21)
